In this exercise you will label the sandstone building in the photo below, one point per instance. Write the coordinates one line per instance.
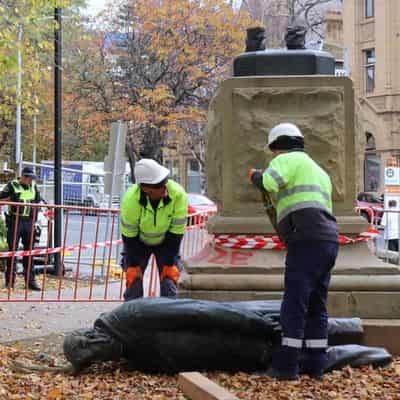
(372, 37)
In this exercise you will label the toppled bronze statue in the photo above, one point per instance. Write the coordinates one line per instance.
(161, 335)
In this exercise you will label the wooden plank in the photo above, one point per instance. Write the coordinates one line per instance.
(197, 387)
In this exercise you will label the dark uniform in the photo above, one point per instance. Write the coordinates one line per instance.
(306, 224)
(16, 191)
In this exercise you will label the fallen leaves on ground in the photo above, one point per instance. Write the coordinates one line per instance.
(107, 381)
(50, 283)
(114, 381)
(366, 383)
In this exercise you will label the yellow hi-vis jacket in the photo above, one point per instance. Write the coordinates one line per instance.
(25, 195)
(299, 183)
(138, 218)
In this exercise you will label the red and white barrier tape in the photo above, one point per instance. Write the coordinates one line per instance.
(52, 250)
(268, 242)
(271, 242)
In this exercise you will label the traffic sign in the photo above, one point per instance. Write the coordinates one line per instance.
(392, 176)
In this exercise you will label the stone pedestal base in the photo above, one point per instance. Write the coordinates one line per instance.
(348, 225)
(361, 285)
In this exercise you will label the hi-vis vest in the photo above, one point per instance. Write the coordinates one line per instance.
(299, 182)
(24, 196)
(138, 218)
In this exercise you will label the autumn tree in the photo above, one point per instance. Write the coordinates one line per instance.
(27, 26)
(154, 67)
(173, 57)
(91, 100)
(17, 32)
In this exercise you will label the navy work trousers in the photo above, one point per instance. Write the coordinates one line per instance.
(23, 233)
(304, 316)
(167, 286)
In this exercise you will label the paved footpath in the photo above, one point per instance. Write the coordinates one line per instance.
(20, 320)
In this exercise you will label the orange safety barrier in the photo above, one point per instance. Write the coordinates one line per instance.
(89, 254)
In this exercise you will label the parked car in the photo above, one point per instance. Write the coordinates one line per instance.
(373, 201)
(199, 203)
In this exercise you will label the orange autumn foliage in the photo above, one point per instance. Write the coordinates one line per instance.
(158, 72)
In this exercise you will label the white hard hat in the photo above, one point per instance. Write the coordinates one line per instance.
(285, 129)
(150, 172)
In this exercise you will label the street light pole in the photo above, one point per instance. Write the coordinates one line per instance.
(57, 135)
(34, 142)
(18, 116)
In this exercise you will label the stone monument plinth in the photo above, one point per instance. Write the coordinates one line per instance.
(240, 116)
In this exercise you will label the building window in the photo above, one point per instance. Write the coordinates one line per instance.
(193, 176)
(372, 166)
(369, 56)
(370, 141)
(173, 166)
(369, 8)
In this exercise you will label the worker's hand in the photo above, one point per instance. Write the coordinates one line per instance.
(133, 273)
(250, 173)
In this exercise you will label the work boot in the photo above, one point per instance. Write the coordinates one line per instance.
(285, 364)
(281, 375)
(32, 285)
(314, 363)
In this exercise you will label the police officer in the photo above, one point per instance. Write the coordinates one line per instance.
(153, 221)
(303, 197)
(22, 190)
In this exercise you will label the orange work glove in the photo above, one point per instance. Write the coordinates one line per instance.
(133, 273)
(171, 272)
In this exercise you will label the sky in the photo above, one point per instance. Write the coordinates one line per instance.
(95, 6)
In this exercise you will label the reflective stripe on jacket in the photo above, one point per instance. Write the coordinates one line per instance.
(27, 195)
(139, 218)
(299, 183)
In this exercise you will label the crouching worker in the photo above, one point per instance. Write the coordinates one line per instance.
(153, 221)
(303, 194)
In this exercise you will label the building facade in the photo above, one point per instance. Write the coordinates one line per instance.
(372, 37)
(333, 40)
(184, 167)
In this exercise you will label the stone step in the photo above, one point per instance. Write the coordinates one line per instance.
(362, 304)
(382, 333)
(266, 282)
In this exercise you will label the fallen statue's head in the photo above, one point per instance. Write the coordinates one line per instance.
(84, 347)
